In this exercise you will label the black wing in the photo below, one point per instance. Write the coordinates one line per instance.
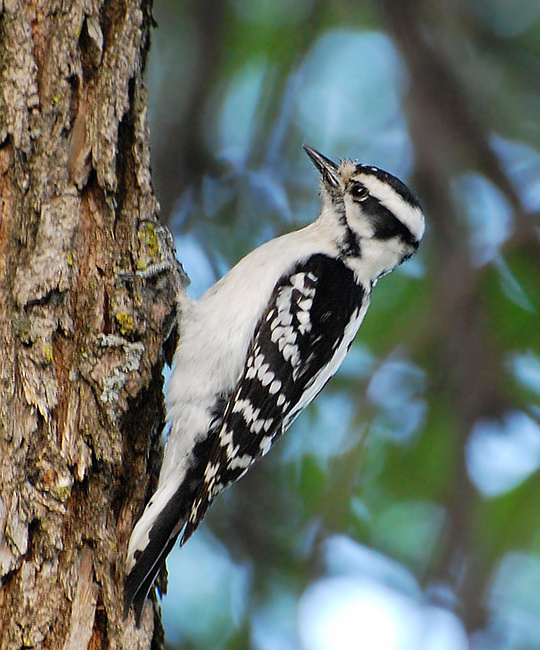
(296, 339)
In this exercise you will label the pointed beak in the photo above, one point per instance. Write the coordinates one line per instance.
(327, 168)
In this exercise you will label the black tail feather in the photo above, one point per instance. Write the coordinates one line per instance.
(161, 539)
(164, 533)
(142, 577)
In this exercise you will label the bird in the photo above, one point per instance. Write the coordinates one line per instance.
(262, 343)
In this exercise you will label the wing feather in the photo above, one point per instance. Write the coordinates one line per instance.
(299, 343)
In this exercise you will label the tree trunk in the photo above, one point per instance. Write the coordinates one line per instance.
(87, 291)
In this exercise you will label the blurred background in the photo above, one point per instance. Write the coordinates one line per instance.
(402, 511)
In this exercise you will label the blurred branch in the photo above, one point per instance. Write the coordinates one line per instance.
(184, 158)
(442, 112)
(450, 138)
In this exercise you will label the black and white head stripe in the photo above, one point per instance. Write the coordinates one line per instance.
(389, 196)
(398, 186)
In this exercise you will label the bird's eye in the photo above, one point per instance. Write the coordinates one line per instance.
(359, 192)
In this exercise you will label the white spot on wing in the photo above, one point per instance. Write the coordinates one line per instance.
(241, 462)
(210, 472)
(265, 444)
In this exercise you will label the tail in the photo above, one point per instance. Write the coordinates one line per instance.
(152, 540)
(182, 499)
(162, 534)
(141, 578)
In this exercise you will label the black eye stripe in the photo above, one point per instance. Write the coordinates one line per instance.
(386, 224)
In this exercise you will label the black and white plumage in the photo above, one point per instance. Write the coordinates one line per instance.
(262, 343)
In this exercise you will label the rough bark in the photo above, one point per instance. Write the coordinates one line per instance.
(87, 292)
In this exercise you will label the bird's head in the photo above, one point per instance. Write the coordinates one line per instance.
(380, 218)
